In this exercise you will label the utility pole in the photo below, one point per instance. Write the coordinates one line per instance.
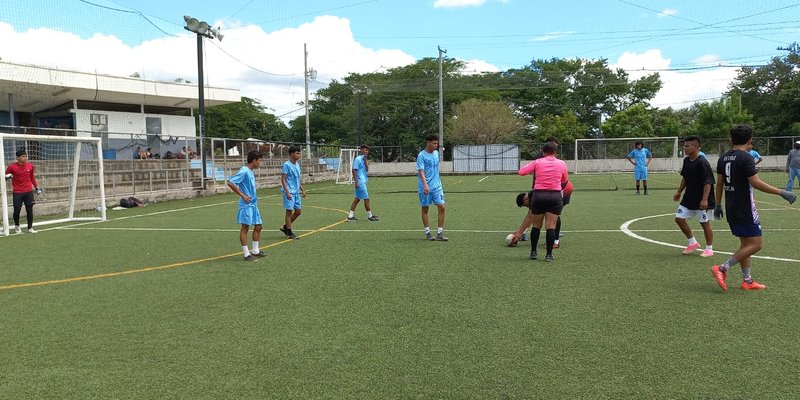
(308, 74)
(441, 105)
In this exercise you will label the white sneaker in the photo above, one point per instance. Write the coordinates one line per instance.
(17, 230)
(32, 230)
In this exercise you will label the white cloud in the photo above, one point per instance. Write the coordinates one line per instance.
(668, 12)
(707, 59)
(457, 3)
(552, 35)
(680, 88)
(333, 52)
(478, 67)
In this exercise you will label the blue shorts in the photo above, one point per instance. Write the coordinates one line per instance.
(361, 192)
(249, 215)
(295, 203)
(433, 197)
(746, 230)
(640, 174)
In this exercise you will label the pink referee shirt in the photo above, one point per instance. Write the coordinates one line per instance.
(549, 171)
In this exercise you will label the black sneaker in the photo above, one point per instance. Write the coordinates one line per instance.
(250, 258)
(549, 258)
(645, 193)
(373, 218)
(534, 255)
(260, 254)
(352, 219)
(293, 236)
(429, 236)
(285, 231)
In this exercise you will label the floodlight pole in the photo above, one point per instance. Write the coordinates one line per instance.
(308, 128)
(441, 105)
(202, 105)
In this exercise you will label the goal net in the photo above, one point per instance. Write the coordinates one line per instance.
(68, 169)
(610, 155)
(344, 171)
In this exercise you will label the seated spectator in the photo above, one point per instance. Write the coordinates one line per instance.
(137, 154)
(168, 155)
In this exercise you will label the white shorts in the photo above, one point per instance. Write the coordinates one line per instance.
(702, 215)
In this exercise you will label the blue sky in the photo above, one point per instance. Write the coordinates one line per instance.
(261, 53)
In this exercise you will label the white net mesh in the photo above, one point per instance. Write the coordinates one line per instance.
(344, 172)
(610, 155)
(69, 171)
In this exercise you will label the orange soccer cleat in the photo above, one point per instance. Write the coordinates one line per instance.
(752, 285)
(720, 277)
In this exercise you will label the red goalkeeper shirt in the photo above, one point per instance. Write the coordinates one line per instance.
(23, 180)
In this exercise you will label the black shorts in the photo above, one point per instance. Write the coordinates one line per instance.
(23, 198)
(546, 201)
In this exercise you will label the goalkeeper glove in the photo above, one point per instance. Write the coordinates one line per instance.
(39, 192)
(788, 196)
(718, 212)
(9, 176)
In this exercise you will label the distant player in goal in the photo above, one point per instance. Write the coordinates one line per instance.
(24, 185)
(360, 177)
(640, 157)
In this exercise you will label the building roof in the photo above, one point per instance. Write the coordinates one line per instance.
(37, 88)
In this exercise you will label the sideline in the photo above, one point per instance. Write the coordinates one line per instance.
(168, 266)
(626, 230)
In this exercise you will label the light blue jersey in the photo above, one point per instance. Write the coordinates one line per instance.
(361, 170)
(755, 155)
(640, 156)
(246, 181)
(292, 171)
(429, 162)
(248, 213)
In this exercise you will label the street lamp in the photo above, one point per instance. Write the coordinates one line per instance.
(201, 29)
(309, 74)
(358, 91)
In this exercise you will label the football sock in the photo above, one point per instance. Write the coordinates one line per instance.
(728, 264)
(439, 230)
(550, 236)
(535, 237)
(246, 251)
(692, 240)
(351, 215)
(558, 227)
(255, 247)
(637, 188)
(746, 275)
(709, 247)
(427, 230)
(369, 214)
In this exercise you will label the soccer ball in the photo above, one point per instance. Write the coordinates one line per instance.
(511, 240)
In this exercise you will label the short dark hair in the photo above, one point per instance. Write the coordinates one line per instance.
(363, 146)
(21, 152)
(521, 199)
(692, 138)
(432, 137)
(294, 149)
(741, 134)
(253, 155)
(549, 148)
(553, 139)
(638, 142)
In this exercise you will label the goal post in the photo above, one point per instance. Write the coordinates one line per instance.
(610, 154)
(344, 171)
(69, 170)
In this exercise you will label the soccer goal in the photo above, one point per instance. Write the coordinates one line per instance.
(68, 169)
(610, 155)
(344, 172)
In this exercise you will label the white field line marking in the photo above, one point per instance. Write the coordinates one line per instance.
(483, 179)
(624, 228)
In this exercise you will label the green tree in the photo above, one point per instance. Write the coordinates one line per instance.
(483, 122)
(634, 121)
(566, 128)
(715, 119)
(242, 120)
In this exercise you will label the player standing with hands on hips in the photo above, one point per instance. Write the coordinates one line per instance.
(24, 185)
(244, 184)
(640, 157)
(737, 177)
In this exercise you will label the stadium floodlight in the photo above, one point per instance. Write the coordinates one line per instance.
(201, 29)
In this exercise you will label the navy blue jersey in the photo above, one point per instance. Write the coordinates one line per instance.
(735, 167)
